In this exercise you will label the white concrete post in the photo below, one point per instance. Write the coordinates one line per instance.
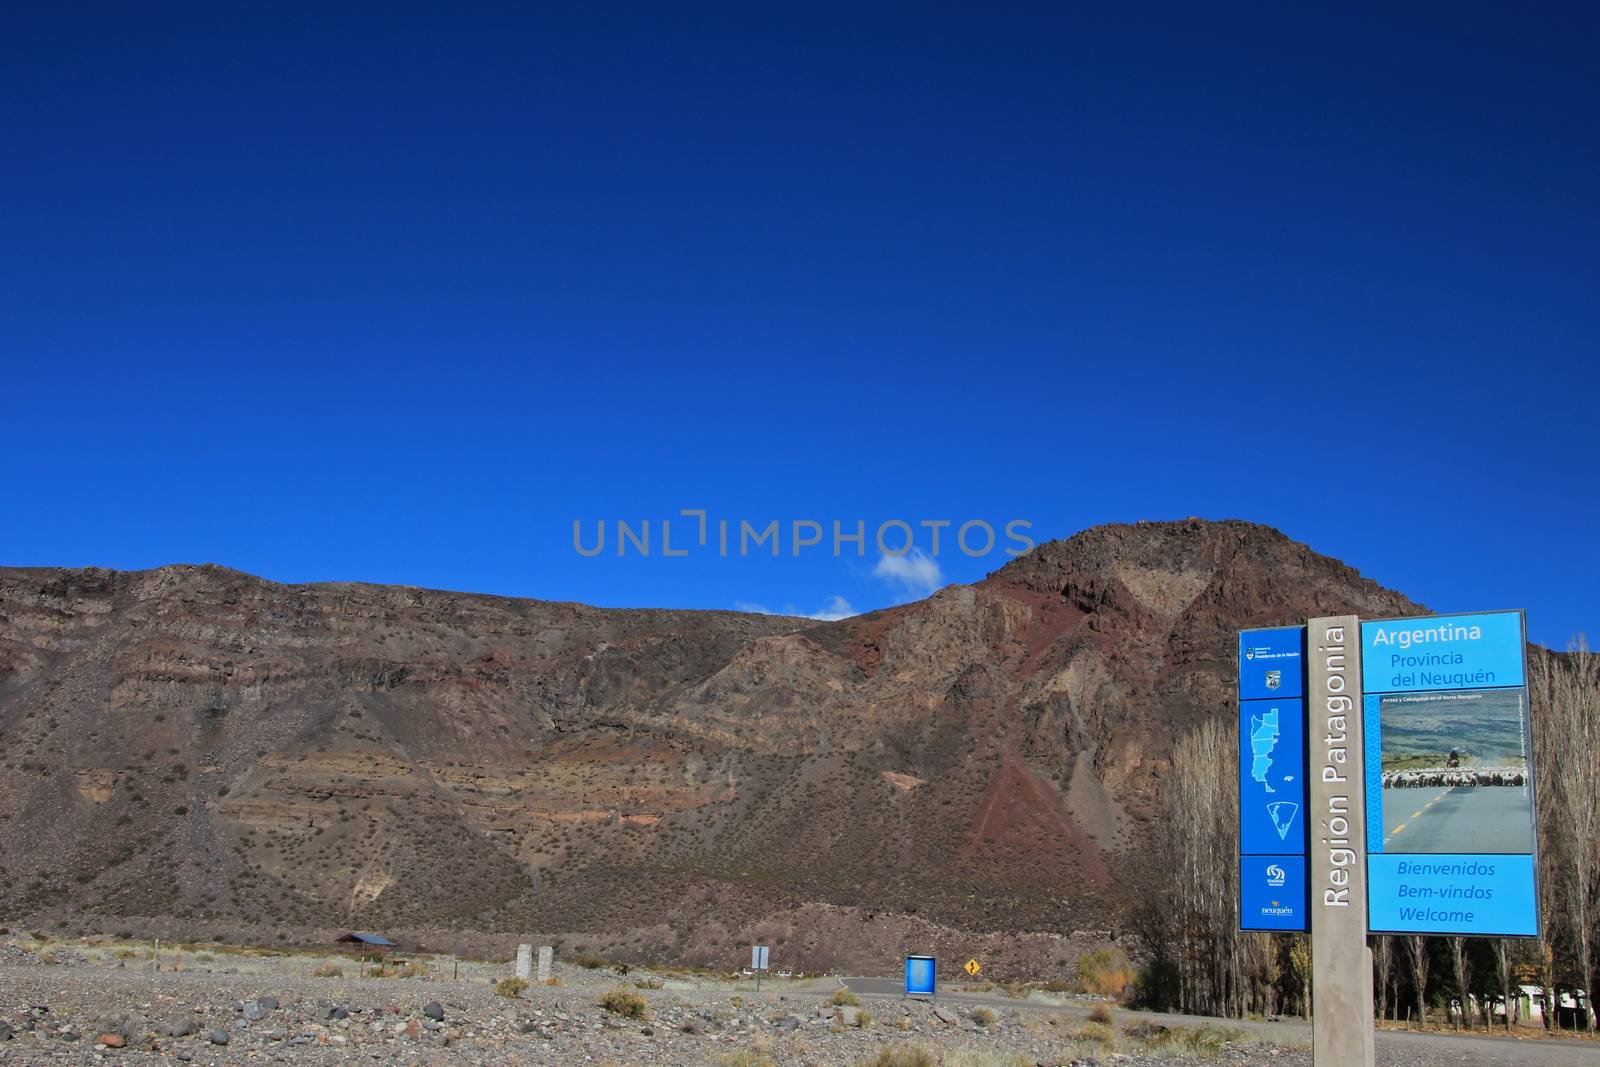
(1341, 963)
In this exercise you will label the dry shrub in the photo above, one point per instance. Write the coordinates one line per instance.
(981, 1058)
(901, 1056)
(328, 969)
(1105, 972)
(624, 1002)
(1191, 1041)
(746, 1058)
(1098, 1034)
(511, 987)
(843, 998)
(1101, 1013)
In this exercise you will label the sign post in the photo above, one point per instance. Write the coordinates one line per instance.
(1403, 746)
(1341, 964)
(758, 962)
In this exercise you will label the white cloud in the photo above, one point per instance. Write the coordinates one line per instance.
(833, 609)
(916, 572)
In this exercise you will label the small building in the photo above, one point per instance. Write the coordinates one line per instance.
(376, 942)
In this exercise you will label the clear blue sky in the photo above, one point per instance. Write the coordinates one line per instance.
(398, 299)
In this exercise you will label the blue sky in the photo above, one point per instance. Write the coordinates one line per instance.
(400, 299)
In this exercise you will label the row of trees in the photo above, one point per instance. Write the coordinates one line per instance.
(1198, 960)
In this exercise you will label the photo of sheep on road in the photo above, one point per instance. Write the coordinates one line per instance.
(1455, 773)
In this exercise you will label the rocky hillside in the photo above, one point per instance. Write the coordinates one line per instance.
(193, 751)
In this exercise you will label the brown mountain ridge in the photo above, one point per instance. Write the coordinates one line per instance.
(191, 751)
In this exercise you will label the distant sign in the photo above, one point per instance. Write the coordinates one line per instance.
(1449, 776)
(1272, 782)
(758, 957)
(973, 967)
(921, 976)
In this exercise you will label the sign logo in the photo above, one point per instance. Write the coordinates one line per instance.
(1274, 679)
(973, 967)
(1249, 652)
(1275, 877)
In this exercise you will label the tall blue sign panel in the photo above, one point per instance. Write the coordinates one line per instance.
(922, 976)
(1449, 777)
(1272, 782)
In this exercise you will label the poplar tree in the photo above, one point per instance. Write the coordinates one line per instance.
(1416, 947)
(1566, 699)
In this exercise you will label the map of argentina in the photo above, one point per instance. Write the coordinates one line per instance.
(1264, 734)
(1271, 793)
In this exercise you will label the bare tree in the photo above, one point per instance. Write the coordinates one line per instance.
(1458, 968)
(1201, 844)
(1567, 749)
(1383, 968)
(1502, 966)
(1416, 947)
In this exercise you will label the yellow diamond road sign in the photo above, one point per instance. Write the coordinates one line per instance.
(973, 967)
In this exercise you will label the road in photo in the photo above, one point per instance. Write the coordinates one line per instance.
(1455, 773)
(1460, 819)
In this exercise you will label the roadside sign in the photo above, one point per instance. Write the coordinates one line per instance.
(921, 976)
(758, 962)
(973, 967)
(1404, 748)
(1451, 843)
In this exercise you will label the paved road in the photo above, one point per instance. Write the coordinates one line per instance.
(1476, 818)
(1393, 1045)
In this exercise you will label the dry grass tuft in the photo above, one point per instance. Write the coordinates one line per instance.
(511, 987)
(901, 1056)
(624, 1002)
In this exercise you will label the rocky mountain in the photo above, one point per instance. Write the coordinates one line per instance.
(191, 751)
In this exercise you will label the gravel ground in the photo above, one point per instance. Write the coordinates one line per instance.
(64, 1015)
(95, 1011)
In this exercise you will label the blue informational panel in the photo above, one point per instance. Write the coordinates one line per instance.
(1442, 652)
(1272, 782)
(921, 976)
(1449, 777)
(1448, 894)
(1272, 663)
(1272, 892)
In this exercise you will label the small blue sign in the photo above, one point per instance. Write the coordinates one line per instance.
(1272, 892)
(1272, 778)
(1272, 663)
(1442, 652)
(921, 976)
(1487, 895)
